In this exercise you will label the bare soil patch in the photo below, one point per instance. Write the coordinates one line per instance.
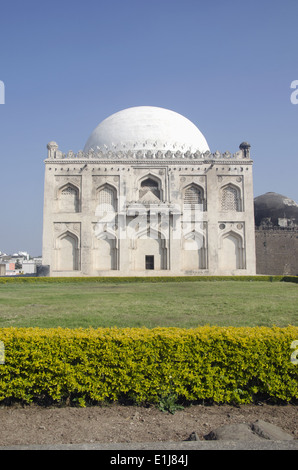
(128, 424)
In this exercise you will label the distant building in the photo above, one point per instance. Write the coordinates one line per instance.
(29, 267)
(19, 264)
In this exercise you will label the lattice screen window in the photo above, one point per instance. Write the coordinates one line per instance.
(69, 200)
(107, 198)
(149, 185)
(193, 195)
(230, 200)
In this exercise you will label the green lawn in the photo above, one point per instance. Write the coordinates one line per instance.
(186, 304)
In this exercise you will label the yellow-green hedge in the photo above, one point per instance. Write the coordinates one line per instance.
(220, 365)
(112, 280)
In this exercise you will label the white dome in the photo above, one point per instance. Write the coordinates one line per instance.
(147, 127)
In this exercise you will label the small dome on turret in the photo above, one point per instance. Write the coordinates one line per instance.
(244, 145)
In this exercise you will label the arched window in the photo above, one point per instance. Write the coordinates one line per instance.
(107, 197)
(193, 195)
(149, 187)
(69, 199)
(230, 199)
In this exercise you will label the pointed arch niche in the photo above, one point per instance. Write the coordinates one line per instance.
(69, 198)
(149, 244)
(193, 195)
(230, 198)
(194, 254)
(105, 251)
(150, 188)
(106, 197)
(231, 252)
(67, 252)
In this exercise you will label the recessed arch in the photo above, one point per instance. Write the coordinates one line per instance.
(231, 251)
(150, 232)
(230, 198)
(69, 198)
(150, 187)
(67, 247)
(193, 195)
(151, 243)
(194, 251)
(106, 197)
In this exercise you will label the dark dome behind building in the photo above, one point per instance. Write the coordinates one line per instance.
(273, 209)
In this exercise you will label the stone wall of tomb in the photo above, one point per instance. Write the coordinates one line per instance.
(223, 244)
(277, 251)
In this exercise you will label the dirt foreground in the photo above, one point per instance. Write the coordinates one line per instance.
(130, 424)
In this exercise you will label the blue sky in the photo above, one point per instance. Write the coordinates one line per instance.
(227, 65)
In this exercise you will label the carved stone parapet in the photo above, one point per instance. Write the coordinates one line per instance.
(142, 154)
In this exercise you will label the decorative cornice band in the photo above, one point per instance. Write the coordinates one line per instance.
(152, 162)
(145, 155)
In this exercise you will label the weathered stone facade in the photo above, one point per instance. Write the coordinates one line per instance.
(277, 251)
(276, 231)
(155, 205)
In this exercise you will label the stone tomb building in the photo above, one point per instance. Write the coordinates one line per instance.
(147, 197)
